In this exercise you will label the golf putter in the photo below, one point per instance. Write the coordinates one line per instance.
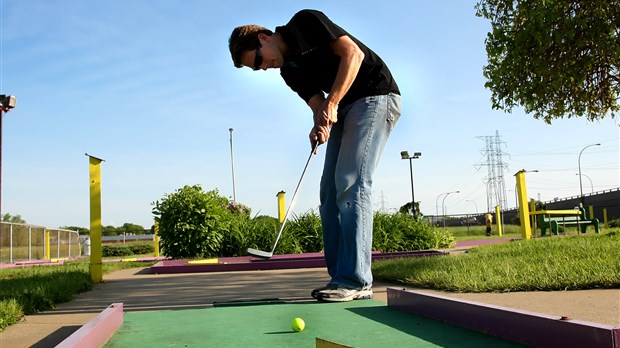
(266, 254)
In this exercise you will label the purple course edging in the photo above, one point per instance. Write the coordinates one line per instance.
(98, 330)
(285, 261)
(532, 329)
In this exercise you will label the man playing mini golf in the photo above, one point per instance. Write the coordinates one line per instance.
(355, 103)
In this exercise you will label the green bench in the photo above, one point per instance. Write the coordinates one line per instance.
(552, 219)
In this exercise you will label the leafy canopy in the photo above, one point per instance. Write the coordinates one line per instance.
(554, 58)
(13, 218)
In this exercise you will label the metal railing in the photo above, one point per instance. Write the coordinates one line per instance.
(25, 242)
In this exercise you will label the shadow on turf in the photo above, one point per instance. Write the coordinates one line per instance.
(442, 334)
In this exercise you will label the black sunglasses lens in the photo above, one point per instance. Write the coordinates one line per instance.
(258, 59)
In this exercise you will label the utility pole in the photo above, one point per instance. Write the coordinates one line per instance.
(496, 187)
(7, 102)
(232, 163)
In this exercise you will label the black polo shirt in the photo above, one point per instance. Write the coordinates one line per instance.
(310, 66)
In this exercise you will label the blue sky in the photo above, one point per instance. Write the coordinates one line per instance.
(149, 86)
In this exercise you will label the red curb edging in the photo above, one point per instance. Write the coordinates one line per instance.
(98, 330)
(532, 329)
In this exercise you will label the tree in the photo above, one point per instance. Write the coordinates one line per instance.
(409, 208)
(109, 231)
(554, 58)
(132, 228)
(13, 218)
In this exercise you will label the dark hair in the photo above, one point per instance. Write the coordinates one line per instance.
(245, 38)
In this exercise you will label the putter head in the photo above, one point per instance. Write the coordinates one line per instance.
(260, 253)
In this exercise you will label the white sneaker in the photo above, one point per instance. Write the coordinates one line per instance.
(342, 294)
(315, 292)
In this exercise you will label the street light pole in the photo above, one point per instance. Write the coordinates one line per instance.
(405, 155)
(232, 161)
(7, 102)
(582, 200)
(443, 208)
(591, 185)
(468, 200)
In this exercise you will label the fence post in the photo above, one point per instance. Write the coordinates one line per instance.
(58, 244)
(156, 239)
(11, 243)
(29, 243)
(47, 245)
(605, 218)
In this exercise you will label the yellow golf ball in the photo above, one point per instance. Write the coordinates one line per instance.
(298, 324)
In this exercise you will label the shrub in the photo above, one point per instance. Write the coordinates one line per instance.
(141, 248)
(402, 232)
(302, 234)
(10, 313)
(193, 223)
(257, 233)
(108, 250)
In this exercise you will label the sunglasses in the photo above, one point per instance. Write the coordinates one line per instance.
(258, 59)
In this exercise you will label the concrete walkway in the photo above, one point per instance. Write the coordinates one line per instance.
(140, 290)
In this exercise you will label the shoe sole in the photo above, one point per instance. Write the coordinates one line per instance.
(358, 296)
(315, 292)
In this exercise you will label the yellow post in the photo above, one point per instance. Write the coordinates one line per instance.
(48, 247)
(281, 206)
(591, 212)
(605, 218)
(524, 211)
(156, 239)
(96, 264)
(533, 221)
(498, 218)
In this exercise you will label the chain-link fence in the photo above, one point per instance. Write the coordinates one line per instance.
(23, 242)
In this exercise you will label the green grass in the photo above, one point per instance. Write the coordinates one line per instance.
(476, 232)
(544, 264)
(28, 290)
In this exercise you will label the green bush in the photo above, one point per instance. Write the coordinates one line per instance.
(402, 232)
(142, 248)
(193, 223)
(10, 313)
(614, 223)
(250, 233)
(114, 250)
(108, 250)
(303, 234)
(391, 233)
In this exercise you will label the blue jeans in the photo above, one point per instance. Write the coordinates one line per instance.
(355, 146)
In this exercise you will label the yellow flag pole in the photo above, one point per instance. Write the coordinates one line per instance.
(96, 264)
(524, 211)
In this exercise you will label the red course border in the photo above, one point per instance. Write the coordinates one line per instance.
(532, 329)
(98, 330)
